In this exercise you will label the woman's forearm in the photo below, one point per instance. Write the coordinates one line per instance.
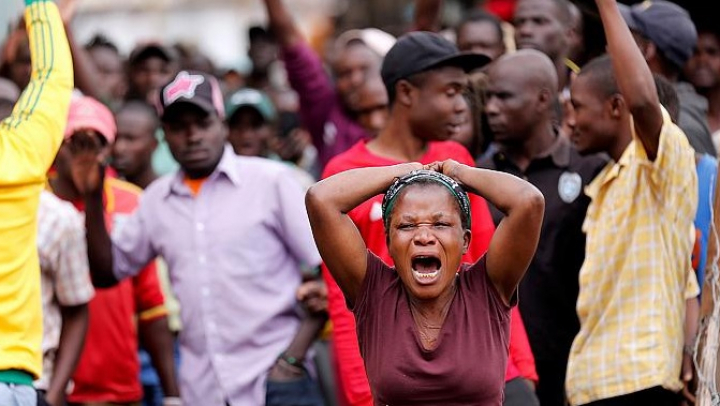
(347, 190)
(503, 190)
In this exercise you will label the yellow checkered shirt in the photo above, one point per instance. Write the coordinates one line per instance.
(636, 273)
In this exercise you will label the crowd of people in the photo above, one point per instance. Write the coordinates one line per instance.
(497, 212)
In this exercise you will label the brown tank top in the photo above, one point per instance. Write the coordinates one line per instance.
(467, 366)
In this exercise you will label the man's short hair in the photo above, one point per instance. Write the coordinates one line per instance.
(600, 70)
(101, 41)
(143, 107)
(480, 16)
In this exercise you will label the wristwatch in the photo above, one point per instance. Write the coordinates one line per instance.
(296, 362)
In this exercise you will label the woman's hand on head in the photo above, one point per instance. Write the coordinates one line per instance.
(448, 167)
(435, 166)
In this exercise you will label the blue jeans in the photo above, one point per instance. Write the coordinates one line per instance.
(519, 393)
(300, 392)
(17, 395)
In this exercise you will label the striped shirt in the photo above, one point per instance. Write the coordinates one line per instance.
(29, 140)
(637, 272)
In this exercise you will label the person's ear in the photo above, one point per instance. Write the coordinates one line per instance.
(649, 50)
(617, 104)
(404, 92)
(546, 98)
(154, 143)
(467, 236)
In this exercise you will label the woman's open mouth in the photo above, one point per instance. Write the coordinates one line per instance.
(426, 268)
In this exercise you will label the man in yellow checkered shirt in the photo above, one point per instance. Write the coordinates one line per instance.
(636, 275)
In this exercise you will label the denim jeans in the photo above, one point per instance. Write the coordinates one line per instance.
(300, 392)
(519, 393)
(656, 396)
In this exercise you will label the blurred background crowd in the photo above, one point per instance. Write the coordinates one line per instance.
(296, 89)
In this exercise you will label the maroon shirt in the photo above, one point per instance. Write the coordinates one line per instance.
(468, 365)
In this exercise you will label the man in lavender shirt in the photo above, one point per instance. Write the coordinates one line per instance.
(235, 235)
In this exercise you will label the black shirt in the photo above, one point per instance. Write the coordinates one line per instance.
(548, 292)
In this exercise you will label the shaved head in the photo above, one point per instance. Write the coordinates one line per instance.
(529, 66)
(520, 97)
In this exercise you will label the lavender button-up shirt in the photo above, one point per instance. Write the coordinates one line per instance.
(234, 254)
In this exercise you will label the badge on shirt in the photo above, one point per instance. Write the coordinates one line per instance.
(569, 186)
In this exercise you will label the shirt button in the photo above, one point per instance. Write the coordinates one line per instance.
(206, 292)
(212, 326)
(201, 259)
(200, 226)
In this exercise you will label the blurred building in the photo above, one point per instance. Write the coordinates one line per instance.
(217, 27)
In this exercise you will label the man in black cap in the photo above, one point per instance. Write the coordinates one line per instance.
(667, 37)
(425, 77)
(419, 68)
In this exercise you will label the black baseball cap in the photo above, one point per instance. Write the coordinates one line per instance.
(192, 87)
(420, 51)
(666, 24)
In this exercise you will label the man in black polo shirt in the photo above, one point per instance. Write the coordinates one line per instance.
(521, 92)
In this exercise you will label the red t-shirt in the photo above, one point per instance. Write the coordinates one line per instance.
(109, 368)
(353, 383)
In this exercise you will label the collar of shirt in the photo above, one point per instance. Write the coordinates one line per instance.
(225, 167)
(558, 154)
(634, 150)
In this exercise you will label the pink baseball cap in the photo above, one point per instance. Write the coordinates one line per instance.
(86, 113)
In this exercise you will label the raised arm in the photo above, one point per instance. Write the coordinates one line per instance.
(89, 178)
(633, 76)
(282, 23)
(306, 74)
(516, 238)
(427, 15)
(31, 136)
(85, 73)
(328, 202)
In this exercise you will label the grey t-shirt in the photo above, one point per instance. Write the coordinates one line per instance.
(693, 118)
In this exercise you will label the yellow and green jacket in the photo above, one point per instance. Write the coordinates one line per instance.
(29, 140)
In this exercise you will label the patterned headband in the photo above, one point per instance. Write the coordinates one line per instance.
(422, 175)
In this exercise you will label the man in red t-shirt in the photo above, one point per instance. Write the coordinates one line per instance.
(109, 368)
(427, 109)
